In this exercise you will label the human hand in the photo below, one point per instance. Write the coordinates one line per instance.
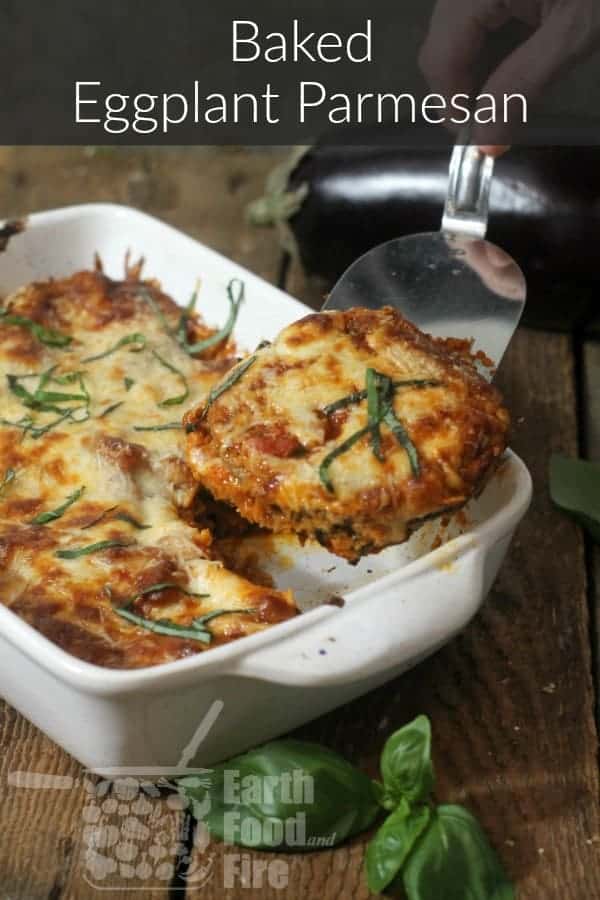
(564, 31)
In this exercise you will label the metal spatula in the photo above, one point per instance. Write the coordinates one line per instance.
(450, 283)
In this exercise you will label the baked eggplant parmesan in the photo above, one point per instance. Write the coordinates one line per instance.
(100, 545)
(351, 428)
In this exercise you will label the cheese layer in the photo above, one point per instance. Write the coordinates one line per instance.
(282, 442)
(107, 431)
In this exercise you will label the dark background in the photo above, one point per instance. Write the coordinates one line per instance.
(157, 47)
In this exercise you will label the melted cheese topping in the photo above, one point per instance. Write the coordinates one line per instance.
(129, 476)
(262, 443)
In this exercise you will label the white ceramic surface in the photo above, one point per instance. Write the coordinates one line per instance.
(399, 606)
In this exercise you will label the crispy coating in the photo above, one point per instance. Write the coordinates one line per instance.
(265, 444)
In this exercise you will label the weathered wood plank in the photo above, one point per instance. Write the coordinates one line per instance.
(591, 394)
(203, 191)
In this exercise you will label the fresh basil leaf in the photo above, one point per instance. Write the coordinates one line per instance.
(313, 797)
(173, 401)
(137, 340)
(575, 489)
(373, 388)
(387, 852)
(53, 514)
(48, 336)
(406, 766)
(454, 860)
(76, 552)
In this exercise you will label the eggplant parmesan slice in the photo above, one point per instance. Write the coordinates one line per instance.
(351, 428)
(100, 547)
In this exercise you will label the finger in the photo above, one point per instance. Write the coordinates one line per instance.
(452, 46)
(494, 150)
(563, 37)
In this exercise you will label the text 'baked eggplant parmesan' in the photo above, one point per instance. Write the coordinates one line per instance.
(352, 428)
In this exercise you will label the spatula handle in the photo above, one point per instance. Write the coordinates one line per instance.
(469, 184)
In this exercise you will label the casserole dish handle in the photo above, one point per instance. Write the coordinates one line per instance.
(390, 629)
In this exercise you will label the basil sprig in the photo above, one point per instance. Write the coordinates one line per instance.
(575, 489)
(53, 514)
(48, 336)
(421, 851)
(379, 393)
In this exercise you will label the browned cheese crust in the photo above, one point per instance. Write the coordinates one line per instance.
(270, 444)
(135, 488)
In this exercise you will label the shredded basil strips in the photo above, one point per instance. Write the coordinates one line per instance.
(173, 401)
(42, 399)
(196, 630)
(48, 336)
(235, 295)
(379, 393)
(76, 552)
(137, 340)
(216, 392)
(53, 514)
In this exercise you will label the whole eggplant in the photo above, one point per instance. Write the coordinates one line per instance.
(544, 210)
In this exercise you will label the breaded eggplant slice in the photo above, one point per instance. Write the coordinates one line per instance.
(351, 428)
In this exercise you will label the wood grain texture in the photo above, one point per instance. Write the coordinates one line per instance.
(591, 412)
(204, 191)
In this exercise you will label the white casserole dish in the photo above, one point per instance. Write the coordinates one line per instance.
(399, 606)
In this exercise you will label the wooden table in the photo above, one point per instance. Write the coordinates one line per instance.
(512, 701)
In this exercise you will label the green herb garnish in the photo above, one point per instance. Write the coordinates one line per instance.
(76, 552)
(9, 476)
(44, 400)
(575, 489)
(379, 394)
(168, 426)
(235, 295)
(146, 294)
(53, 514)
(358, 396)
(129, 383)
(48, 336)
(109, 409)
(126, 517)
(162, 586)
(173, 401)
(195, 631)
(231, 379)
(137, 339)
(338, 451)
